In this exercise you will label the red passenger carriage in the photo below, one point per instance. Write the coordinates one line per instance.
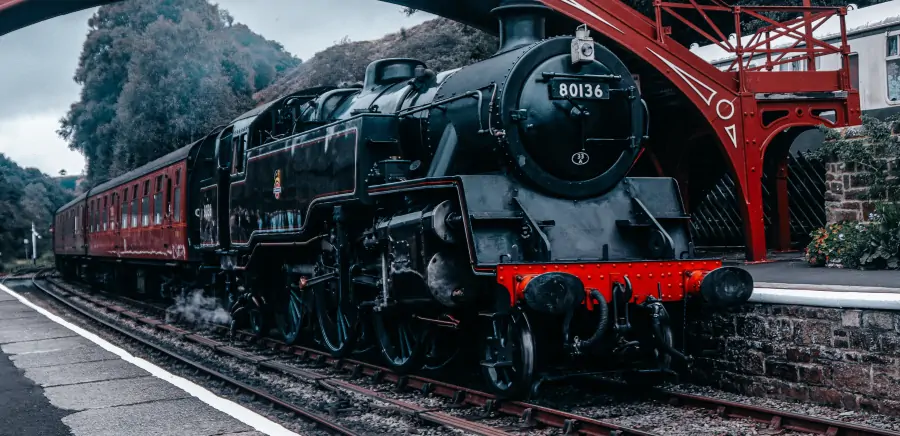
(140, 216)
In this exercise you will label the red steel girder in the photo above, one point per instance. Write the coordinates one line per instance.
(729, 99)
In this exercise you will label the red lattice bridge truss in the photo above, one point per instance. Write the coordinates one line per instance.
(747, 111)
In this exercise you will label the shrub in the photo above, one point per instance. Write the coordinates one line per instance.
(851, 244)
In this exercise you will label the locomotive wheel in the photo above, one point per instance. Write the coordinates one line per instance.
(402, 340)
(338, 320)
(442, 346)
(509, 357)
(291, 319)
(257, 322)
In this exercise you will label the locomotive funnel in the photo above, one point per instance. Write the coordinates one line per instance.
(521, 22)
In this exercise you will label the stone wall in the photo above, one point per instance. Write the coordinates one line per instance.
(846, 186)
(837, 357)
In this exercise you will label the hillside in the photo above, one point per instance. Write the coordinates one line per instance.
(441, 43)
(26, 196)
(444, 44)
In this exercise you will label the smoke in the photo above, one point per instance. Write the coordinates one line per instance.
(194, 308)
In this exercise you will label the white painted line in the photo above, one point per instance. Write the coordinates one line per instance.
(832, 288)
(838, 299)
(236, 411)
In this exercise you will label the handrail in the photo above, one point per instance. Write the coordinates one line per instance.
(795, 34)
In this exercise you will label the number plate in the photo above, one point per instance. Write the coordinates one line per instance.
(561, 89)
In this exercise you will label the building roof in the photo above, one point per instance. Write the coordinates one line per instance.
(858, 20)
(175, 156)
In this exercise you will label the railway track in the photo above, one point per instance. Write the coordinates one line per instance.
(461, 397)
(531, 416)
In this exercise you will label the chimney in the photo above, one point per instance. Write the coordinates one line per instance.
(521, 22)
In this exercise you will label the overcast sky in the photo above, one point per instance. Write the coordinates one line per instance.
(36, 86)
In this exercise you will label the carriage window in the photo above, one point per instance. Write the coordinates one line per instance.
(893, 68)
(177, 177)
(157, 202)
(134, 216)
(134, 211)
(145, 211)
(177, 205)
(105, 211)
(125, 209)
(168, 208)
(113, 202)
(239, 144)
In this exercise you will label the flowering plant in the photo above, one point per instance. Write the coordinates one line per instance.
(851, 244)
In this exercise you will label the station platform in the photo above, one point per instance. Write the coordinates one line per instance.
(790, 270)
(798, 272)
(59, 379)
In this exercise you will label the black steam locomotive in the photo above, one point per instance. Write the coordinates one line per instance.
(484, 208)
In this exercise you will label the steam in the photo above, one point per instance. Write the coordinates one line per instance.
(194, 308)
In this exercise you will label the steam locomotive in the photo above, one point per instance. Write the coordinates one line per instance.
(422, 213)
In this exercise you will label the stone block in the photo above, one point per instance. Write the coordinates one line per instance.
(801, 354)
(814, 374)
(780, 329)
(885, 382)
(878, 320)
(826, 396)
(877, 359)
(851, 205)
(807, 332)
(889, 407)
(856, 194)
(846, 180)
(756, 389)
(889, 343)
(860, 180)
(751, 326)
(851, 318)
(837, 188)
(829, 355)
(781, 310)
(863, 340)
(751, 362)
(819, 313)
(849, 401)
(795, 392)
(838, 215)
(852, 377)
(781, 370)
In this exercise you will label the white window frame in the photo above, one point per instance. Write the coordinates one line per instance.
(896, 35)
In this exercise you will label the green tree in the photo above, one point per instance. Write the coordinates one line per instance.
(26, 196)
(156, 74)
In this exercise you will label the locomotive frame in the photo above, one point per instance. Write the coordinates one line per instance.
(420, 207)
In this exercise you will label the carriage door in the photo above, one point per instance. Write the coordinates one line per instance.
(209, 193)
(239, 219)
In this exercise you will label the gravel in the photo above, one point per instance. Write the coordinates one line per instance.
(891, 423)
